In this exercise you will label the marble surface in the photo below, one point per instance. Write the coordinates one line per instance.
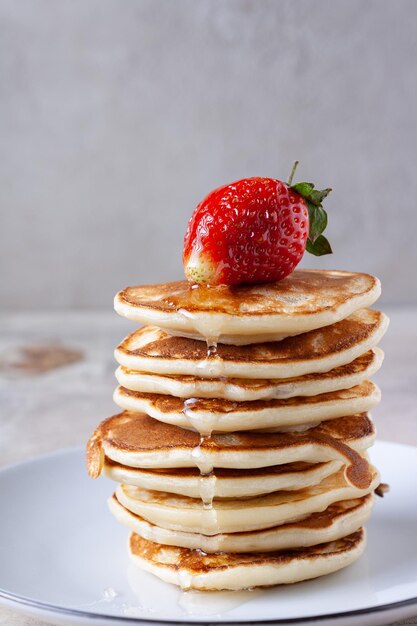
(41, 412)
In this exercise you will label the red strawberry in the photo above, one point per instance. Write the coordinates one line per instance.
(253, 231)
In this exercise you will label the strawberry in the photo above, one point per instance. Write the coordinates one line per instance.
(254, 231)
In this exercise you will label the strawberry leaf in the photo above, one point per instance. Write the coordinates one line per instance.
(303, 189)
(318, 220)
(319, 247)
(316, 243)
(308, 192)
(317, 197)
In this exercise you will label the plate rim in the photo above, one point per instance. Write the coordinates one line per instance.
(85, 615)
(19, 600)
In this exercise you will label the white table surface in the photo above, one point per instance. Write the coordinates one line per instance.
(60, 408)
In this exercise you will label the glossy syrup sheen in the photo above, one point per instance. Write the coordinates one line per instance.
(303, 292)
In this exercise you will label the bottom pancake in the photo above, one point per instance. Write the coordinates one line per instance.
(337, 521)
(193, 569)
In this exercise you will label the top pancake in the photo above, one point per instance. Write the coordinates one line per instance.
(244, 314)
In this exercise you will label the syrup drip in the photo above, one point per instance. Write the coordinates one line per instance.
(205, 327)
(185, 579)
(207, 486)
(195, 298)
(205, 426)
(207, 478)
(200, 458)
(212, 348)
(211, 366)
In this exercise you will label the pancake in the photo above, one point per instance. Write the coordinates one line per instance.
(338, 520)
(217, 415)
(184, 514)
(244, 314)
(223, 483)
(193, 569)
(137, 440)
(152, 350)
(246, 390)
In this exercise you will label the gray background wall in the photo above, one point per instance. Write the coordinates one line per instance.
(117, 117)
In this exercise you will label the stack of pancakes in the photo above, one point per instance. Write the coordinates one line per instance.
(241, 451)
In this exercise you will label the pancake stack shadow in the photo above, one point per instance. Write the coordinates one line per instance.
(241, 452)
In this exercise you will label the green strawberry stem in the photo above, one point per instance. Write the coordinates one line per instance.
(291, 176)
(317, 243)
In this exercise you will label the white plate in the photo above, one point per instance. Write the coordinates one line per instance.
(63, 558)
